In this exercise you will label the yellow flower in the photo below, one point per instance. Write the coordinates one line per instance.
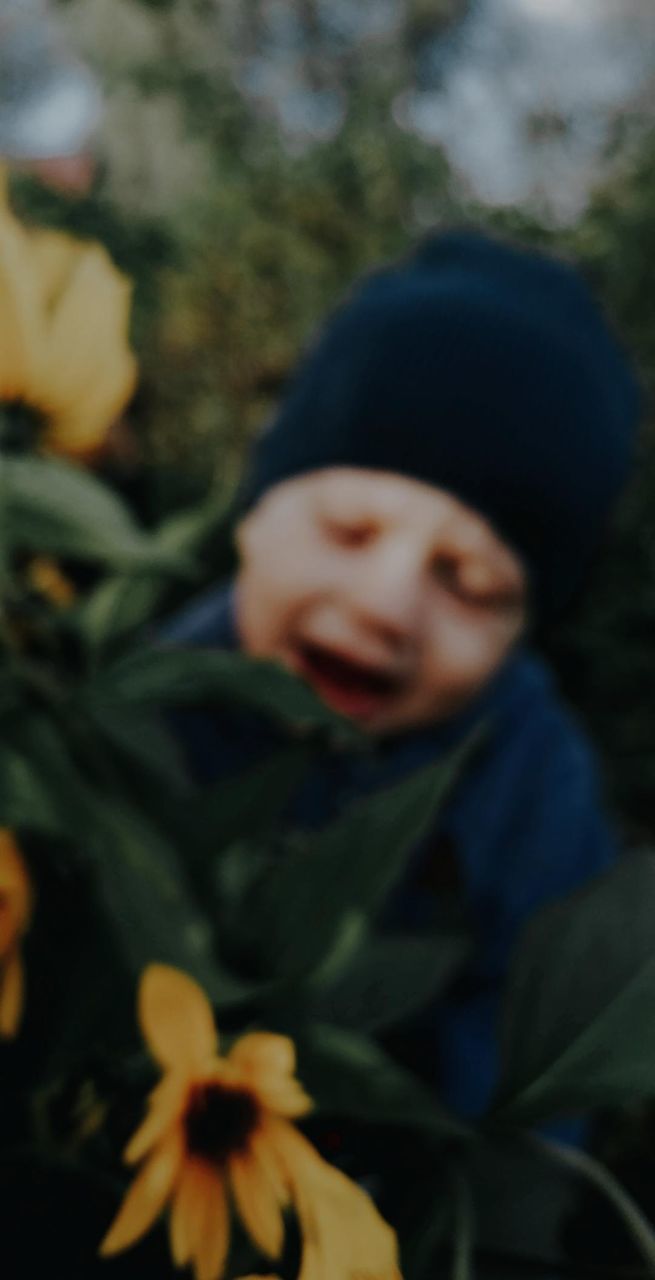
(218, 1125)
(64, 315)
(45, 577)
(15, 912)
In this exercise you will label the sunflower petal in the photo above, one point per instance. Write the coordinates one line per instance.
(267, 1063)
(146, 1197)
(181, 1219)
(21, 326)
(80, 429)
(263, 1150)
(54, 254)
(257, 1203)
(14, 881)
(212, 1237)
(287, 1099)
(262, 1055)
(343, 1233)
(87, 325)
(11, 995)
(165, 1106)
(176, 1018)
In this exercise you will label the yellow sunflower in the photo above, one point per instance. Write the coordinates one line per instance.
(15, 913)
(220, 1126)
(64, 351)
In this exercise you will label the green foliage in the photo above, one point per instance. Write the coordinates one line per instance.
(349, 867)
(578, 1029)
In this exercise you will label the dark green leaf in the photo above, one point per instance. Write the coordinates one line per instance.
(246, 806)
(578, 1028)
(142, 739)
(389, 979)
(170, 677)
(139, 876)
(350, 866)
(126, 602)
(57, 507)
(39, 787)
(351, 1076)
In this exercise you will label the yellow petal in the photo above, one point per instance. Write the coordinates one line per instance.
(21, 323)
(54, 255)
(15, 885)
(182, 1217)
(260, 1055)
(165, 1108)
(267, 1063)
(146, 1197)
(257, 1203)
(289, 1100)
(212, 1237)
(190, 1210)
(343, 1233)
(88, 324)
(80, 429)
(11, 995)
(263, 1149)
(176, 1019)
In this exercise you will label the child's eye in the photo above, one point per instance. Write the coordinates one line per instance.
(472, 584)
(347, 533)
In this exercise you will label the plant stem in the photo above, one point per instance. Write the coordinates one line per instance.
(634, 1220)
(463, 1230)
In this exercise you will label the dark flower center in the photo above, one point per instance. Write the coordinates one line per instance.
(20, 426)
(219, 1121)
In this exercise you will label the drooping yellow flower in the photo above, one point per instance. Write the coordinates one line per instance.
(15, 913)
(222, 1125)
(64, 315)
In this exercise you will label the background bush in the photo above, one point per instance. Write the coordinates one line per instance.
(240, 238)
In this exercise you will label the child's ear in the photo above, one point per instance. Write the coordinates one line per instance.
(240, 534)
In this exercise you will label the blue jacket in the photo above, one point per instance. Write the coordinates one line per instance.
(524, 826)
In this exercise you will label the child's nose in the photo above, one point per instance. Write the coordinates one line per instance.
(386, 598)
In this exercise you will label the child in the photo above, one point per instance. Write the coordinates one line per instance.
(436, 483)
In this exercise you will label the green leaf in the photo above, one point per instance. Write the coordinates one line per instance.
(142, 740)
(172, 677)
(138, 874)
(578, 1029)
(125, 602)
(144, 892)
(351, 1076)
(248, 805)
(57, 507)
(25, 801)
(389, 980)
(39, 788)
(349, 866)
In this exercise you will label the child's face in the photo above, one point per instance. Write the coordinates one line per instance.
(392, 598)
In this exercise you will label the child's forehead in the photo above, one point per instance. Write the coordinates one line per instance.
(389, 493)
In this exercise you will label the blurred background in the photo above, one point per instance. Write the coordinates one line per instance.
(251, 157)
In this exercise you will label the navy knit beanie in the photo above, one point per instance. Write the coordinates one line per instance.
(486, 370)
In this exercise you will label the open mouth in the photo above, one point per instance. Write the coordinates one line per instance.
(349, 686)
